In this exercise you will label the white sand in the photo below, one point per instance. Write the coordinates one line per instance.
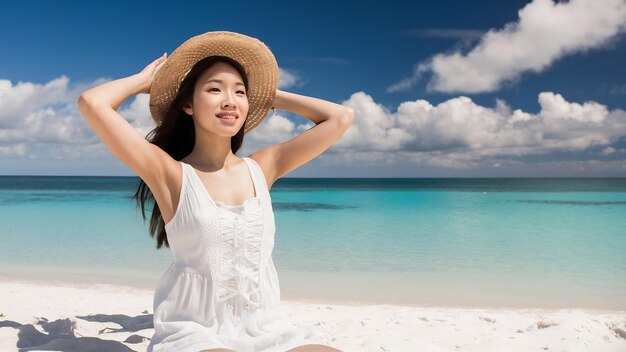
(111, 318)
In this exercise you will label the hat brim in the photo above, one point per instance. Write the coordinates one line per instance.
(254, 56)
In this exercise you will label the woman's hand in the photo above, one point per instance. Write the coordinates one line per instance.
(147, 74)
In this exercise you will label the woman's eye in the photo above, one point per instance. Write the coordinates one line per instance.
(211, 89)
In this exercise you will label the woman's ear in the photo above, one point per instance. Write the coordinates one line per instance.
(188, 109)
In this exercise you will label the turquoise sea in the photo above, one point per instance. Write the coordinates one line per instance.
(545, 243)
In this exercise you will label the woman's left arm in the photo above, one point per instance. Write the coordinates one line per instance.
(331, 121)
(314, 109)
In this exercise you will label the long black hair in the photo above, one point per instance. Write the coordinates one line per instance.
(176, 136)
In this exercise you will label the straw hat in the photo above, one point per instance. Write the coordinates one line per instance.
(255, 57)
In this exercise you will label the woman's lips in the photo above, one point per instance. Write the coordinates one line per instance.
(229, 121)
(227, 114)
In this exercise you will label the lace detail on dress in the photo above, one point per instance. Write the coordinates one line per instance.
(239, 272)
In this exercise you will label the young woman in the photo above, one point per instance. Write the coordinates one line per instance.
(212, 208)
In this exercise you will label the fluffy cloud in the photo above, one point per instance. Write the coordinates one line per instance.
(13, 150)
(40, 113)
(459, 133)
(544, 32)
(41, 120)
(608, 151)
(288, 78)
(275, 128)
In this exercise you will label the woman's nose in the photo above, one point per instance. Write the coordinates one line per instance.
(229, 100)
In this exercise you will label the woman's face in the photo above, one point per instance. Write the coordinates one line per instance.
(218, 90)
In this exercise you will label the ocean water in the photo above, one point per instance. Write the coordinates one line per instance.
(544, 243)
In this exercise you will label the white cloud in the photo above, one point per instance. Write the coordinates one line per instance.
(39, 113)
(459, 133)
(375, 129)
(42, 120)
(288, 78)
(13, 150)
(274, 129)
(544, 32)
(138, 114)
(608, 151)
(456, 133)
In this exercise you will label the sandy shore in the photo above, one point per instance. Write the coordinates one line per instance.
(111, 318)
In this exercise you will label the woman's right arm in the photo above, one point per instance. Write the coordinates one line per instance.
(98, 106)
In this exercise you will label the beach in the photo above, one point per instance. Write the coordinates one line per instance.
(97, 317)
(423, 177)
(373, 264)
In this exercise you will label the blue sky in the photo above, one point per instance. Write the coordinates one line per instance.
(441, 88)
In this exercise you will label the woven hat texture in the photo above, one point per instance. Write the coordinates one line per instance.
(254, 56)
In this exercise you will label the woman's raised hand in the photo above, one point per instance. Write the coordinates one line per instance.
(147, 74)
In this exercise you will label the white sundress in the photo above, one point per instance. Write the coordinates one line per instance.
(221, 289)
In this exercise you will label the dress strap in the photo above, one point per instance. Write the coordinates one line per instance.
(257, 173)
(185, 173)
(182, 197)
